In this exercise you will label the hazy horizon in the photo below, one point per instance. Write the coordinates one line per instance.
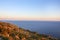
(48, 10)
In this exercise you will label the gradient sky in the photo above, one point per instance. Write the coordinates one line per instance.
(30, 9)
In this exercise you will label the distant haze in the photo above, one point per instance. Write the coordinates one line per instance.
(30, 10)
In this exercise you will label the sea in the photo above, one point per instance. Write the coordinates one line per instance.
(41, 27)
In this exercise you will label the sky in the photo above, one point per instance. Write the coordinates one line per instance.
(30, 9)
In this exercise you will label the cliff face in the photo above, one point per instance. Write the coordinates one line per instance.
(12, 32)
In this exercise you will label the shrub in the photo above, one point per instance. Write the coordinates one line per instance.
(4, 38)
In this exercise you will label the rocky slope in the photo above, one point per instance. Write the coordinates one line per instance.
(12, 32)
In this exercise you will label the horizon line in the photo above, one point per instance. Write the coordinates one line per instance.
(27, 20)
(32, 19)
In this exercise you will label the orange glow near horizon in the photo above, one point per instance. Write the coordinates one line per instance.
(48, 19)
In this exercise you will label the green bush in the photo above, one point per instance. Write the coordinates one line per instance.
(4, 38)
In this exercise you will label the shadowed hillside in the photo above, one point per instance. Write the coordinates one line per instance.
(12, 32)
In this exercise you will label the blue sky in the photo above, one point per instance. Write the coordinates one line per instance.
(30, 9)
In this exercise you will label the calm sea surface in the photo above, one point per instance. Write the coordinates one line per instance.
(42, 27)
